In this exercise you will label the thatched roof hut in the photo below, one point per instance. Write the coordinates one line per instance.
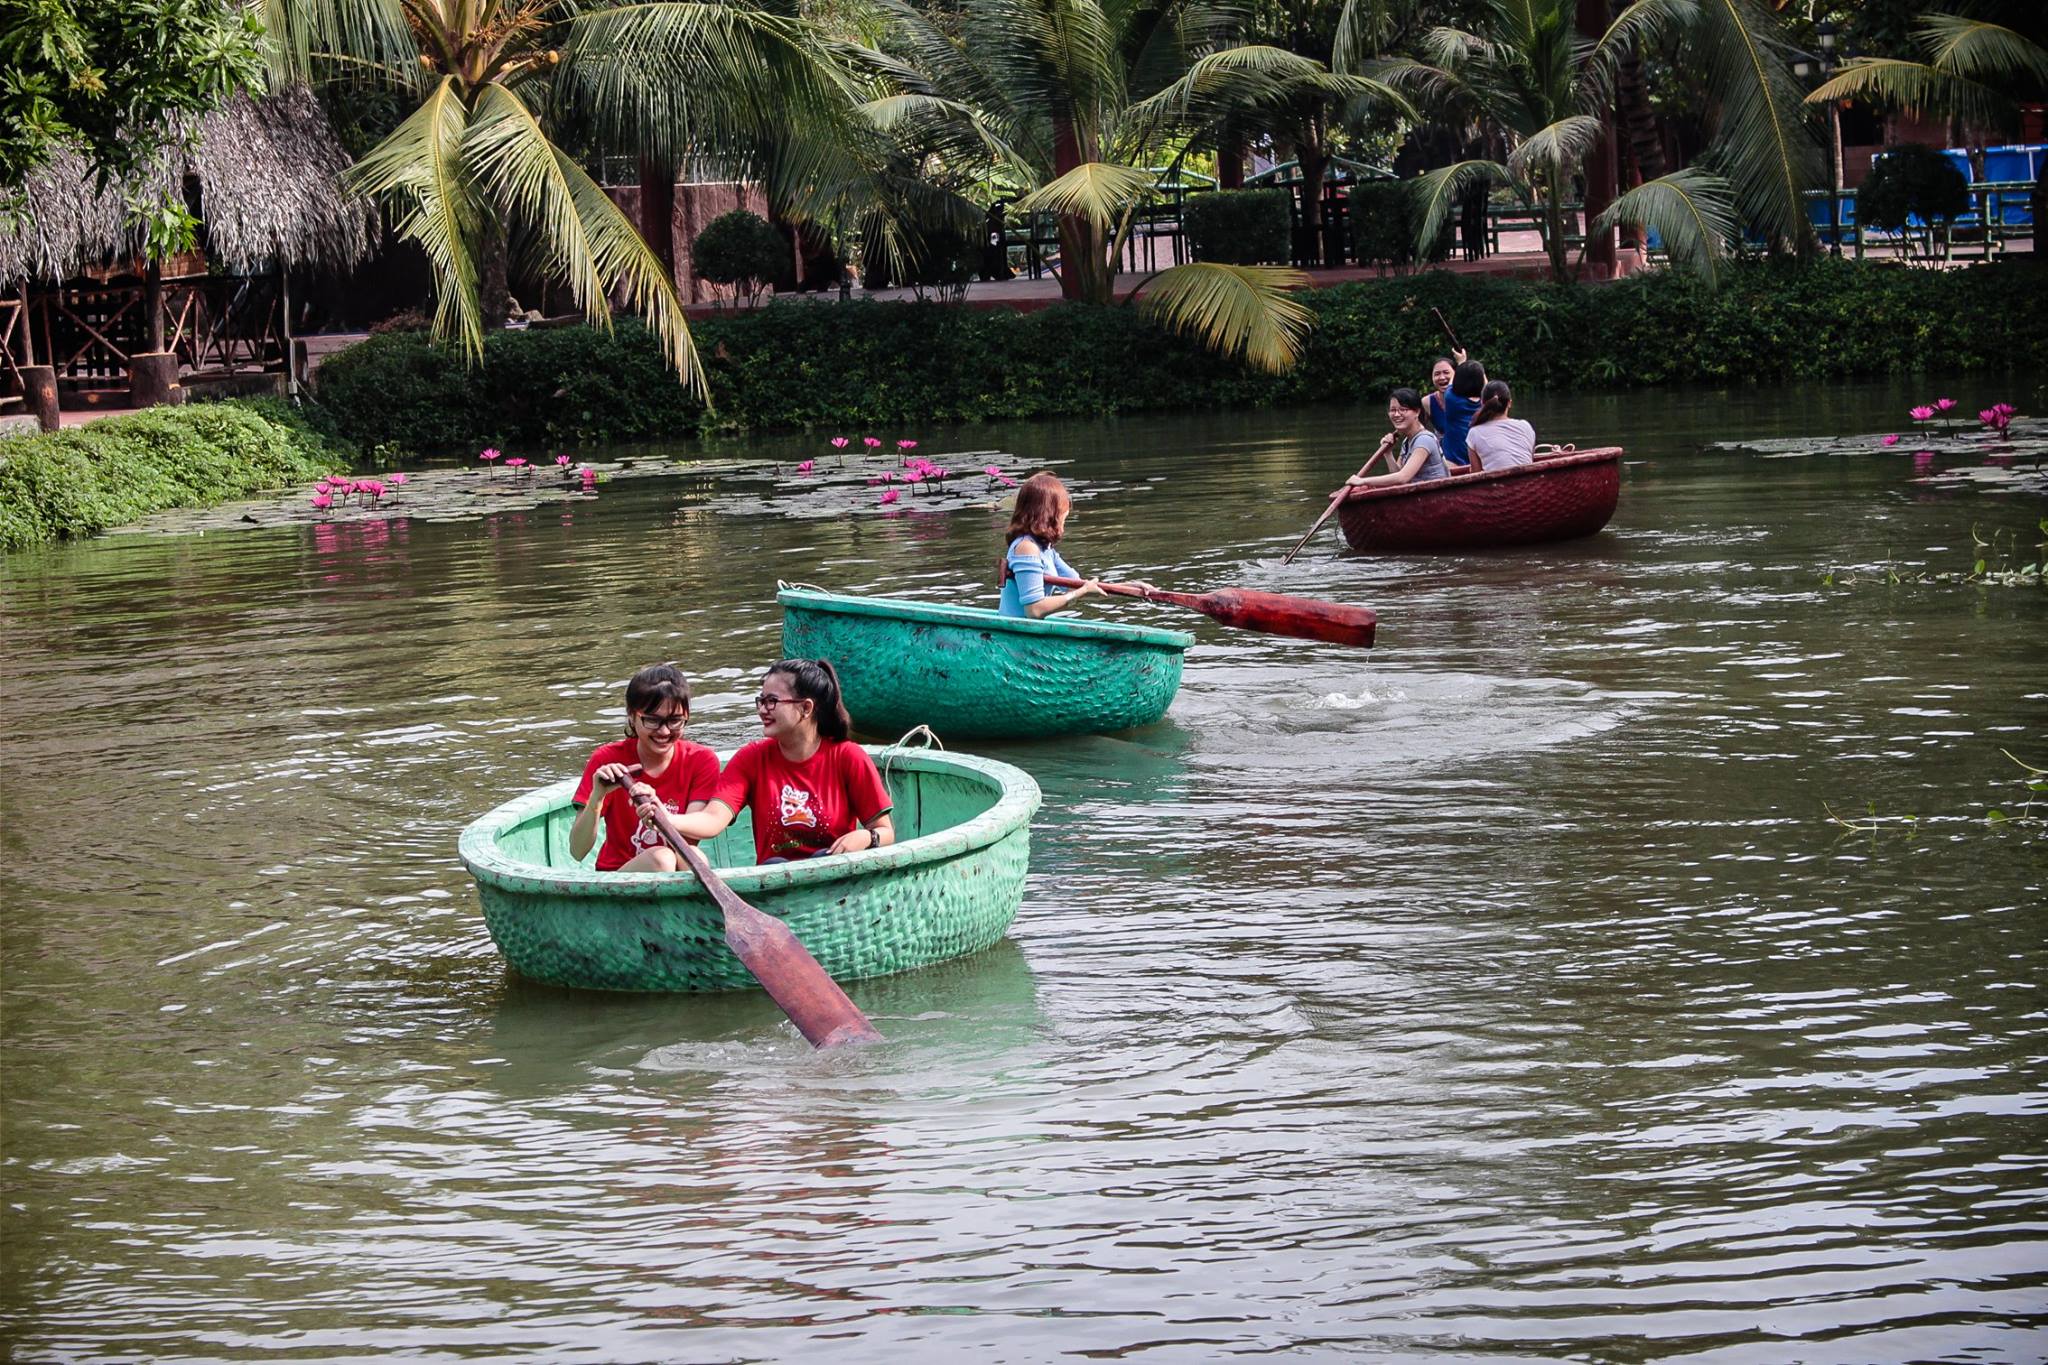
(269, 173)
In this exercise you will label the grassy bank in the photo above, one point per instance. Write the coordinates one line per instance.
(856, 366)
(79, 482)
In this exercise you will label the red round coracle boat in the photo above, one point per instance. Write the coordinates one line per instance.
(1555, 498)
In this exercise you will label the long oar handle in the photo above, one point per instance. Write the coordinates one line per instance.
(807, 994)
(1120, 589)
(1447, 330)
(1335, 498)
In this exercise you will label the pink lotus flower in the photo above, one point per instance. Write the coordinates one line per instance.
(891, 496)
(562, 460)
(516, 462)
(805, 467)
(1892, 439)
(589, 476)
(488, 455)
(993, 471)
(322, 500)
(906, 445)
(871, 442)
(398, 478)
(1944, 404)
(839, 443)
(1920, 414)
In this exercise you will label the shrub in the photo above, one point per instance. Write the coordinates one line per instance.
(1240, 227)
(1912, 181)
(942, 258)
(79, 482)
(743, 250)
(878, 364)
(1385, 218)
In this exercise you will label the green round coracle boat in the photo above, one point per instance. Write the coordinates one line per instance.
(971, 673)
(950, 885)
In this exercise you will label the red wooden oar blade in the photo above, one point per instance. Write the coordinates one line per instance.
(1303, 618)
(793, 979)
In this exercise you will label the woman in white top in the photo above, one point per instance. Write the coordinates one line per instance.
(1499, 441)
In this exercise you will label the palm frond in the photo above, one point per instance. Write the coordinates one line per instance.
(1243, 311)
(1764, 145)
(1365, 28)
(575, 225)
(1896, 83)
(1557, 147)
(1439, 191)
(1692, 210)
(419, 175)
(1978, 51)
(372, 35)
(1095, 190)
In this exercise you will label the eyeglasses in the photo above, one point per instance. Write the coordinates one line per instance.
(673, 721)
(764, 702)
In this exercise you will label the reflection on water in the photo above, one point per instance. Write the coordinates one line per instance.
(1505, 991)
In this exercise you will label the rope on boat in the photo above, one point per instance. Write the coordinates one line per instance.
(926, 738)
(786, 585)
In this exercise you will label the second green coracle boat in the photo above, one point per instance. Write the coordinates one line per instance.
(951, 885)
(970, 673)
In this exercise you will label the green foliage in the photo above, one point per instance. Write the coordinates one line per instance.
(108, 78)
(79, 482)
(941, 257)
(1912, 180)
(1240, 227)
(744, 250)
(1386, 220)
(848, 366)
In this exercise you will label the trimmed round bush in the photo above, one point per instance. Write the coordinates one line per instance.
(1240, 227)
(741, 249)
(1910, 182)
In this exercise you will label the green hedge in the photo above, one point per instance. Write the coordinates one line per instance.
(890, 364)
(113, 471)
(1386, 217)
(1240, 227)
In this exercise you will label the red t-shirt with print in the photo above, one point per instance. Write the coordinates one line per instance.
(801, 808)
(691, 774)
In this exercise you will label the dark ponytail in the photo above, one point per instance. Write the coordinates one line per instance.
(817, 682)
(1493, 402)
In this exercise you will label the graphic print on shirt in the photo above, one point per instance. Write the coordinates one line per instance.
(796, 809)
(647, 836)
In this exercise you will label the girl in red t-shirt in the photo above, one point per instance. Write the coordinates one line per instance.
(674, 771)
(812, 789)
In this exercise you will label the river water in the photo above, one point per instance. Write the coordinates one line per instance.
(1505, 992)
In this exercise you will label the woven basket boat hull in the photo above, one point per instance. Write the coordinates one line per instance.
(951, 886)
(1555, 499)
(970, 673)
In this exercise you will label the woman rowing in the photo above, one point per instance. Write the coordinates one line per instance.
(1418, 456)
(652, 763)
(812, 790)
(1029, 556)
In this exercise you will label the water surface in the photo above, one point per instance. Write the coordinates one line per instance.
(1504, 992)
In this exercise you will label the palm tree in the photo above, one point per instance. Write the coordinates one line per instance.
(1528, 74)
(1976, 71)
(1090, 105)
(478, 169)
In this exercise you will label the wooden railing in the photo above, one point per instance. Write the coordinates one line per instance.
(215, 325)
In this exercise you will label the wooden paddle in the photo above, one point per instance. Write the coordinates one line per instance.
(1335, 498)
(1304, 618)
(765, 945)
(1447, 330)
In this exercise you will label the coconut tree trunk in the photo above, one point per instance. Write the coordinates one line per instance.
(1553, 189)
(1085, 269)
(1313, 159)
(494, 290)
(1230, 162)
(658, 211)
(1632, 102)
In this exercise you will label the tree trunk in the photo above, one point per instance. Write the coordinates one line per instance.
(1085, 269)
(494, 290)
(1313, 160)
(1553, 219)
(1230, 162)
(658, 212)
(1632, 102)
(1600, 178)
